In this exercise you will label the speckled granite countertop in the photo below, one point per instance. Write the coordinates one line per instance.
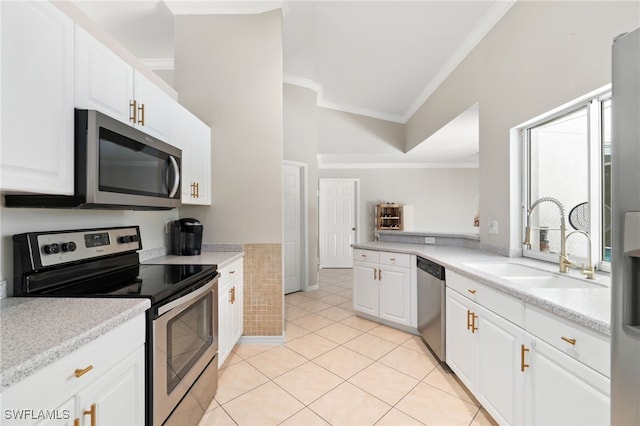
(590, 307)
(36, 332)
(220, 258)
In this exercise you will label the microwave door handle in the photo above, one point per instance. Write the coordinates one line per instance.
(176, 176)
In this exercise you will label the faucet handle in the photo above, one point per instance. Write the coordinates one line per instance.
(589, 272)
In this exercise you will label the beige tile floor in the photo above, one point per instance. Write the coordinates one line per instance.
(338, 369)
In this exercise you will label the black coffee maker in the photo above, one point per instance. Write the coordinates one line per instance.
(186, 237)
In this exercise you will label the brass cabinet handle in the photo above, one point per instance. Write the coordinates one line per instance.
(82, 371)
(232, 272)
(469, 314)
(92, 413)
(141, 111)
(133, 108)
(76, 422)
(232, 295)
(393, 259)
(375, 274)
(523, 352)
(473, 323)
(197, 190)
(380, 274)
(472, 291)
(568, 340)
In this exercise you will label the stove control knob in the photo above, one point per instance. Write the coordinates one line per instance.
(52, 248)
(133, 238)
(124, 239)
(70, 246)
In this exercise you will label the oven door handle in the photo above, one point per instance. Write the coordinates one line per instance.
(186, 299)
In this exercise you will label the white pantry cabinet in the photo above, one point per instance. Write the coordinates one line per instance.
(107, 83)
(384, 286)
(36, 149)
(193, 137)
(525, 365)
(230, 311)
(101, 383)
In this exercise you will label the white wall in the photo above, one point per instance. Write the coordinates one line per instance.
(444, 200)
(539, 56)
(228, 71)
(300, 129)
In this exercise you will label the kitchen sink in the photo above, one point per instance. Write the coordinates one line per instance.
(504, 269)
(551, 281)
(525, 276)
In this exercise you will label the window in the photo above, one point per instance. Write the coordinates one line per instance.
(567, 156)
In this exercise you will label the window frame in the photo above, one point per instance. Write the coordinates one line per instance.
(594, 104)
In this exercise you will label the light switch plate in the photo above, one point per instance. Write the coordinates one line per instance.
(429, 240)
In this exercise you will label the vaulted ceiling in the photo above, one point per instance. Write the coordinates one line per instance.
(376, 58)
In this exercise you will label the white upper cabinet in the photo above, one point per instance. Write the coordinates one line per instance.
(193, 137)
(37, 99)
(107, 83)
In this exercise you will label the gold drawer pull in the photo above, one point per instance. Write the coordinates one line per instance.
(232, 272)
(76, 422)
(363, 255)
(472, 291)
(92, 413)
(523, 352)
(393, 259)
(81, 372)
(568, 340)
(133, 105)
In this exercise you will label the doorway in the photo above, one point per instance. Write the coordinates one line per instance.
(338, 221)
(295, 226)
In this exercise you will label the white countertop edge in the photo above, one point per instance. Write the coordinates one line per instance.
(473, 237)
(33, 363)
(582, 318)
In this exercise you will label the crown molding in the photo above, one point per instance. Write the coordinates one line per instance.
(159, 63)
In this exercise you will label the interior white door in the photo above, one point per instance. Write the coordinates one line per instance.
(337, 219)
(293, 231)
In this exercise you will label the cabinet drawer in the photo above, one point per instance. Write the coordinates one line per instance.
(500, 303)
(395, 259)
(580, 343)
(229, 273)
(56, 382)
(369, 256)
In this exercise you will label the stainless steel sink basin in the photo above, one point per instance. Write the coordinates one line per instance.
(504, 269)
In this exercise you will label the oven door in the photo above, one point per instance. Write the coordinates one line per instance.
(185, 336)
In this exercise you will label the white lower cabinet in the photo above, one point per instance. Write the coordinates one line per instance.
(384, 286)
(102, 383)
(230, 311)
(533, 368)
(483, 349)
(562, 391)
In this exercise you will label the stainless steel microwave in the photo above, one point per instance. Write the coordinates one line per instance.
(116, 167)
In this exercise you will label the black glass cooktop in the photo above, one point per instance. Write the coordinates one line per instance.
(155, 282)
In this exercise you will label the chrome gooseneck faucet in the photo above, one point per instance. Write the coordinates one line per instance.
(564, 262)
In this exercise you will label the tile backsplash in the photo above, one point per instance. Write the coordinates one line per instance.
(263, 290)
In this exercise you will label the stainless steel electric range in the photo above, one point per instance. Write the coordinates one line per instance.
(182, 329)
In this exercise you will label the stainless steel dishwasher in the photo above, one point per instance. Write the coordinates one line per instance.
(431, 305)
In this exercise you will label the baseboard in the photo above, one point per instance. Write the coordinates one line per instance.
(312, 287)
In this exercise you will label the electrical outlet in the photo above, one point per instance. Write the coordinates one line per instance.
(493, 226)
(429, 240)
